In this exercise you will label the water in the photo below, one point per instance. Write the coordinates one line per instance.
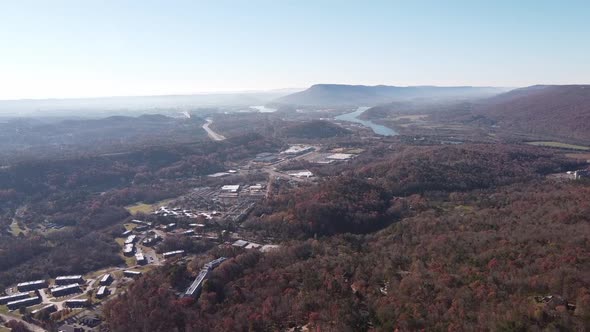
(377, 128)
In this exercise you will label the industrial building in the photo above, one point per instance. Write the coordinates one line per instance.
(296, 150)
(131, 273)
(173, 253)
(106, 279)
(77, 303)
(31, 285)
(13, 297)
(68, 280)
(102, 292)
(65, 290)
(29, 301)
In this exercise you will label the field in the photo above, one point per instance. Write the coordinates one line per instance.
(560, 145)
(141, 207)
(15, 229)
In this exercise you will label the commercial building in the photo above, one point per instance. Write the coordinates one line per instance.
(131, 273)
(106, 279)
(29, 301)
(77, 303)
(68, 280)
(102, 292)
(173, 253)
(13, 297)
(65, 290)
(231, 188)
(31, 285)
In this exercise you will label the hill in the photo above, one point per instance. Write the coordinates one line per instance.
(555, 110)
(331, 95)
(314, 129)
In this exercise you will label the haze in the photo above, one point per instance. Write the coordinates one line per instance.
(64, 49)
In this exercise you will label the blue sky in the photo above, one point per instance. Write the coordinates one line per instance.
(104, 48)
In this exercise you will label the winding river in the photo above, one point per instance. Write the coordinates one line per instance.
(377, 128)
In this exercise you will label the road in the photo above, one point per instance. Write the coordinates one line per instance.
(213, 135)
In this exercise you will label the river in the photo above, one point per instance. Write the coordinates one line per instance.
(377, 128)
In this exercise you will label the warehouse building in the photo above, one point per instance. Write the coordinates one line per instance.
(102, 292)
(13, 305)
(13, 297)
(68, 280)
(77, 303)
(48, 308)
(131, 273)
(106, 279)
(65, 290)
(173, 253)
(31, 285)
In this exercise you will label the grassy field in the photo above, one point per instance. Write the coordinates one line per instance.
(581, 156)
(146, 208)
(560, 145)
(15, 229)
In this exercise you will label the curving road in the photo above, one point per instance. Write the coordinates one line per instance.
(213, 135)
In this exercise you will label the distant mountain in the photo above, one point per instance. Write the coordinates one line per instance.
(555, 110)
(331, 95)
(135, 105)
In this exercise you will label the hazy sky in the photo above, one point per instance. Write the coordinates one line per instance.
(54, 48)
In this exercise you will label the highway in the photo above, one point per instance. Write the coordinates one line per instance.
(213, 135)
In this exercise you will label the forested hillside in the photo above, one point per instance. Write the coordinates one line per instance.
(458, 238)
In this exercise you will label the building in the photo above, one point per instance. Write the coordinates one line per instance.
(13, 297)
(302, 174)
(173, 253)
(169, 227)
(102, 292)
(240, 243)
(77, 303)
(340, 156)
(107, 279)
(296, 150)
(195, 288)
(138, 222)
(150, 241)
(140, 258)
(231, 188)
(582, 174)
(68, 280)
(131, 239)
(29, 301)
(65, 290)
(48, 308)
(126, 233)
(70, 328)
(31, 285)
(189, 232)
(128, 250)
(131, 273)
(214, 263)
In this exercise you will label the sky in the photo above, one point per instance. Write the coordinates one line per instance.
(63, 49)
